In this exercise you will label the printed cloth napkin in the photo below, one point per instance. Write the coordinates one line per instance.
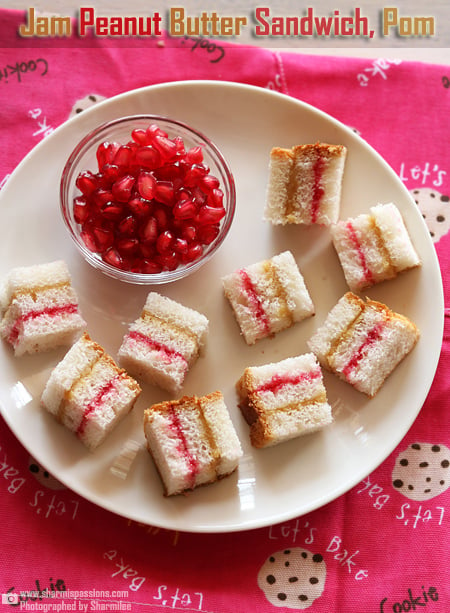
(379, 548)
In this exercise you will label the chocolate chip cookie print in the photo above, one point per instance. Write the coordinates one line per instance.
(43, 476)
(293, 578)
(435, 209)
(422, 471)
(85, 103)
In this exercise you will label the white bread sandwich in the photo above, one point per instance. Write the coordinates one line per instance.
(192, 441)
(283, 400)
(88, 393)
(163, 343)
(362, 342)
(373, 247)
(268, 297)
(305, 184)
(39, 308)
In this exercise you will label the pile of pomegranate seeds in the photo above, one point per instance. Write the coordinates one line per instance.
(152, 205)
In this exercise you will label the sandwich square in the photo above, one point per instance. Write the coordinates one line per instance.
(164, 342)
(373, 246)
(268, 296)
(39, 308)
(283, 400)
(362, 342)
(305, 184)
(192, 441)
(88, 393)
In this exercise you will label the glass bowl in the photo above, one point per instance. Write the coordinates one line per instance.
(164, 249)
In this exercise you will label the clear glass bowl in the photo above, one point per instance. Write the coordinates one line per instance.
(83, 158)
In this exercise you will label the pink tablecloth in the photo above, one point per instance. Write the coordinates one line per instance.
(379, 549)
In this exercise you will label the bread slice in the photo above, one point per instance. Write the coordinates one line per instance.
(305, 184)
(40, 308)
(362, 342)
(283, 400)
(268, 297)
(88, 393)
(374, 246)
(192, 441)
(164, 342)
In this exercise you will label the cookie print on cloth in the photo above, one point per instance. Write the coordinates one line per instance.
(293, 578)
(435, 209)
(43, 477)
(422, 471)
(85, 103)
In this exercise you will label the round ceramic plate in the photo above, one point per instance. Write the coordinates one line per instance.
(274, 484)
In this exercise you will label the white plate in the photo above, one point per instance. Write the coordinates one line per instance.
(272, 485)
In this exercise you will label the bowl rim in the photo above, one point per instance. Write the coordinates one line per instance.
(165, 276)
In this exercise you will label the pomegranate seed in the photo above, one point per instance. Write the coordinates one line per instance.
(81, 209)
(150, 267)
(181, 245)
(166, 147)
(146, 185)
(123, 156)
(149, 231)
(154, 130)
(180, 145)
(164, 242)
(121, 189)
(194, 175)
(198, 196)
(127, 246)
(215, 198)
(140, 136)
(207, 234)
(88, 240)
(140, 208)
(113, 257)
(184, 209)
(162, 218)
(169, 172)
(112, 211)
(86, 183)
(111, 173)
(103, 238)
(209, 183)
(194, 155)
(168, 261)
(101, 196)
(105, 153)
(194, 251)
(189, 233)
(128, 226)
(164, 192)
(148, 157)
(209, 215)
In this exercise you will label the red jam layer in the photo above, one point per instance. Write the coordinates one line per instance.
(373, 335)
(169, 354)
(96, 403)
(49, 311)
(255, 301)
(183, 447)
(367, 274)
(277, 382)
